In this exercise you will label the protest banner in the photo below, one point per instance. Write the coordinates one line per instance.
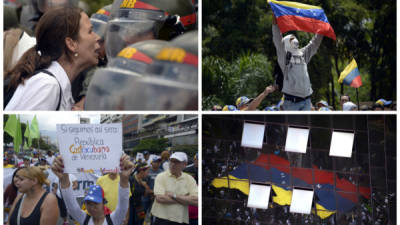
(90, 148)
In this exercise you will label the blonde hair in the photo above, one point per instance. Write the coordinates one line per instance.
(165, 155)
(34, 172)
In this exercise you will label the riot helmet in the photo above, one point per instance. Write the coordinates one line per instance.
(150, 75)
(99, 20)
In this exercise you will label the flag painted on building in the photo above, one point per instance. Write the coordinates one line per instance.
(276, 170)
(350, 75)
(302, 17)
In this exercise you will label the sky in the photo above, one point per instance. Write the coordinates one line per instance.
(47, 122)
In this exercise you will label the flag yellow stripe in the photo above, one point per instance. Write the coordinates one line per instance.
(295, 4)
(322, 212)
(347, 70)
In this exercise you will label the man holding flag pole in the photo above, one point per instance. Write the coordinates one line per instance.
(292, 59)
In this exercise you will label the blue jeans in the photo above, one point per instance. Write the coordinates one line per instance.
(304, 105)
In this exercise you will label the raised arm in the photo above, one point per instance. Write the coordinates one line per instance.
(120, 212)
(66, 190)
(312, 47)
(257, 101)
(277, 39)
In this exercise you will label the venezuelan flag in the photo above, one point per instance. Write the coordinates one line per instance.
(350, 75)
(298, 16)
(275, 169)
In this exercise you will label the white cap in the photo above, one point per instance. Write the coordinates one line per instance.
(181, 156)
(155, 158)
(349, 106)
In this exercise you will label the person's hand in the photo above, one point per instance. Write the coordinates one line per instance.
(269, 89)
(126, 166)
(58, 167)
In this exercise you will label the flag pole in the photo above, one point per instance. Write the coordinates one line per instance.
(358, 102)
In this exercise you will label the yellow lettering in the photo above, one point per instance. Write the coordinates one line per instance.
(74, 150)
(128, 4)
(172, 54)
(127, 52)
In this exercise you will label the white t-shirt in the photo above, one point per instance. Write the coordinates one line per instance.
(50, 159)
(42, 91)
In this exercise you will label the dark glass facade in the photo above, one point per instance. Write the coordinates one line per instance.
(371, 171)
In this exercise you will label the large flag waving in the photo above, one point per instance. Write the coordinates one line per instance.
(298, 16)
(350, 75)
(13, 128)
(11, 125)
(27, 134)
(34, 130)
(333, 193)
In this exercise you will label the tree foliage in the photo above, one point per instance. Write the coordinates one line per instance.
(234, 30)
(154, 145)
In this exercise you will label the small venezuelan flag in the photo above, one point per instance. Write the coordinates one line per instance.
(350, 75)
(303, 17)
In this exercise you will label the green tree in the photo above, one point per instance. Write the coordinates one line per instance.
(154, 145)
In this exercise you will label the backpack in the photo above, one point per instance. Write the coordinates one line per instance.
(8, 91)
(108, 219)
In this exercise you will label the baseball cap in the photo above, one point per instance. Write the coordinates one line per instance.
(323, 103)
(243, 100)
(229, 108)
(95, 194)
(145, 152)
(383, 102)
(156, 158)
(181, 156)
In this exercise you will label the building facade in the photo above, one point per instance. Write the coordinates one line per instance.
(178, 129)
(356, 190)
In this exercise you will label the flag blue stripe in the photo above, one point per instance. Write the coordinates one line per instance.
(281, 10)
(350, 77)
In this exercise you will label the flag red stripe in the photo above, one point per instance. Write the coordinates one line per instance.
(288, 23)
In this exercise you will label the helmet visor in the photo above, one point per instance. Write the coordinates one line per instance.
(116, 89)
(174, 71)
(121, 33)
(99, 27)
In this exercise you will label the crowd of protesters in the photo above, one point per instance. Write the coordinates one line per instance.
(150, 189)
(244, 103)
(58, 56)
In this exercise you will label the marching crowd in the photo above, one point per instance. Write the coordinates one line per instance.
(148, 190)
